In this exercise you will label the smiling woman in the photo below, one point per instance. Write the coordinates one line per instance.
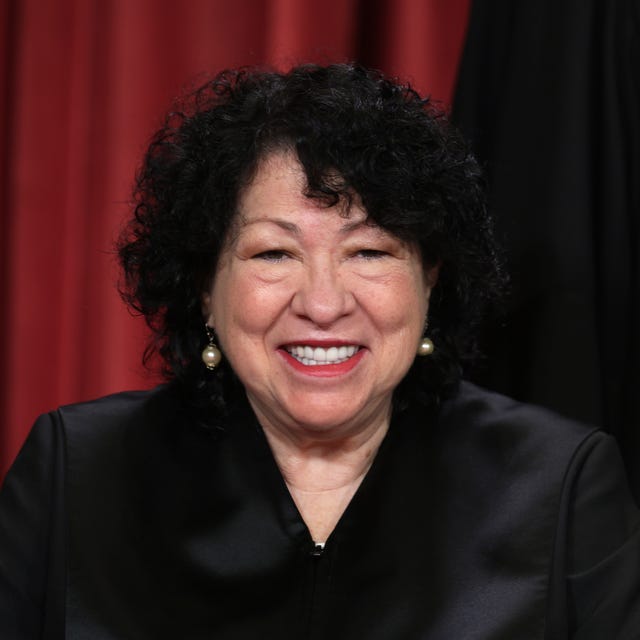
(300, 283)
(312, 253)
(319, 313)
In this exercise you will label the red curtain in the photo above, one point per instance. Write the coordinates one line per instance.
(84, 84)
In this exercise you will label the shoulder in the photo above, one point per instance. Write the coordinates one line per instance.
(525, 458)
(493, 420)
(88, 426)
(115, 408)
(106, 432)
(523, 447)
(549, 490)
(120, 414)
(489, 407)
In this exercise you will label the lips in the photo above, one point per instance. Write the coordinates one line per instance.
(322, 359)
(310, 355)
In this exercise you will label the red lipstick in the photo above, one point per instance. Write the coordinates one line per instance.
(323, 370)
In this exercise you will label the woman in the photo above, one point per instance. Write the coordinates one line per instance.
(312, 253)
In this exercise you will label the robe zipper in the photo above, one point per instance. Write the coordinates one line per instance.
(315, 554)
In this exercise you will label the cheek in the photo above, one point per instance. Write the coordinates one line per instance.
(244, 307)
(399, 306)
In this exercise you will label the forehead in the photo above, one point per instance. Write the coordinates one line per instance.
(277, 170)
(279, 189)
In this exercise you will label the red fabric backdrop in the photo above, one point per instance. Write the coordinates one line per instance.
(84, 83)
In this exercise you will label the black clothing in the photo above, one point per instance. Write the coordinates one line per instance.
(549, 94)
(122, 519)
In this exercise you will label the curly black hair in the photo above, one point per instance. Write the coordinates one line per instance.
(412, 172)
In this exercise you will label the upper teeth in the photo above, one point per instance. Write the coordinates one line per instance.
(318, 355)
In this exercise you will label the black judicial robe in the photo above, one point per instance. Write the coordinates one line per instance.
(122, 519)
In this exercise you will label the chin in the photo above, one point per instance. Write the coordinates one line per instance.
(328, 415)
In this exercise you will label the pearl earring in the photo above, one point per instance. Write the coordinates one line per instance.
(211, 355)
(425, 348)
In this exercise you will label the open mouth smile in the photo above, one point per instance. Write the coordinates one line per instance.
(318, 356)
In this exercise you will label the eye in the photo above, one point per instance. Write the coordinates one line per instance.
(273, 255)
(371, 254)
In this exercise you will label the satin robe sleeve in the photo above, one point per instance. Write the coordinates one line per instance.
(595, 583)
(32, 556)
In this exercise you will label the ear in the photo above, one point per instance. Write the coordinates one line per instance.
(207, 311)
(431, 274)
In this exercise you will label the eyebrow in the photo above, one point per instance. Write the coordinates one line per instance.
(284, 224)
(352, 226)
(295, 229)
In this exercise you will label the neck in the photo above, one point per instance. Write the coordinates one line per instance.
(317, 459)
(323, 473)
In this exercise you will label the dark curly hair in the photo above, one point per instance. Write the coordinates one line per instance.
(412, 172)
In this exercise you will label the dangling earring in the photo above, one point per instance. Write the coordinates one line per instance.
(211, 355)
(425, 348)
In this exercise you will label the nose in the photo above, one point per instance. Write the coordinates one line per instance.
(322, 295)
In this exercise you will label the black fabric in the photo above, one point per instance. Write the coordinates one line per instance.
(549, 93)
(492, 520)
